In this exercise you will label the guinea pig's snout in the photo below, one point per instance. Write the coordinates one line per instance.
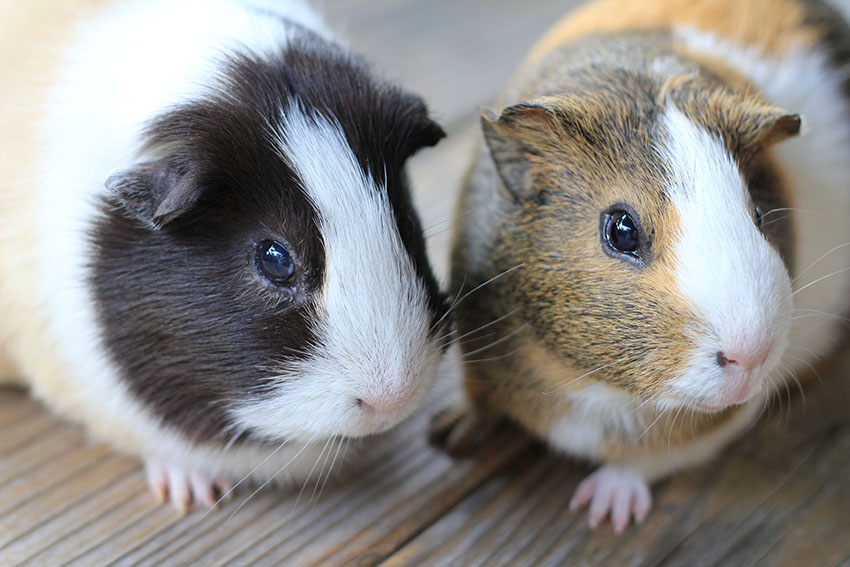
(383, 405)
(743, 360)
(741, 367)
(380, 411)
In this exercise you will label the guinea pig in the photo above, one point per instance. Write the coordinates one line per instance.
(647, 248)
(209, 255)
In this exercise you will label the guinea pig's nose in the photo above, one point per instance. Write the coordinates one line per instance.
(382, 405)
(746, 360)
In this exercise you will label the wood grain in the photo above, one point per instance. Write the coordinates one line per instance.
(778, 497)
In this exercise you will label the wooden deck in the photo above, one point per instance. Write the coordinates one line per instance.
(779, 496)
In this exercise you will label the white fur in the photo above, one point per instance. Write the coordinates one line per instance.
(659, 465)
(725, 267)
(125, 66)
(598, 409)
(801, 80)
(372, 317)
(595, 409)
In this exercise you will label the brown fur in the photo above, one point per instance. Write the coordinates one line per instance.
(570, 316)
(771, 26)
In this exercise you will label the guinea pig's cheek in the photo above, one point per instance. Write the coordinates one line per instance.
(318, 398)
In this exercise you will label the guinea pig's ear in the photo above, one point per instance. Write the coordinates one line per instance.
(521, 131)
(154, 193)
(422, 132)
(772, 125)
(751, 123)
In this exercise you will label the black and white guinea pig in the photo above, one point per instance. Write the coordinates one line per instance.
(653, 249)
(209, 254)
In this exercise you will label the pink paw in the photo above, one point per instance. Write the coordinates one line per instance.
(621, 492)
(185, 488)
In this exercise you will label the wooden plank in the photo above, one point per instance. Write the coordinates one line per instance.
(71, 490)
(778, 497)
(14, 404)
(818, 532)
(75, 529)
(28, 427)
(152, 523)
(41, 450)
(789, 475)
(487, 521)
(415, 507)
(281, 520)
(98, 511)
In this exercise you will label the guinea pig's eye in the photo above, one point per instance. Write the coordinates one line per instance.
(758, 215)
(621, 232)
(274, 262)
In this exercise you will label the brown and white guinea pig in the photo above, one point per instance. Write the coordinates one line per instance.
(209, 254)
(647, 248)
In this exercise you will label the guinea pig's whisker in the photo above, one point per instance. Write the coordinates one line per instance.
(454, 301)
(784, 209)
(597, 369)
(497, 341)
(482, 327)
(808, 312)
(800, 389)
(770, 222)
(344, 443)
(446, 336)
(450, 221)
(630, 357)
(271, 478)
(821, 257)
(818, 327)
(765, 409)
(808, 365)
(235, 437)
(339, 444)
(672, 426)
(476, 288)
(648, 427)
(310, 474)
(788, 397)
(489, 335)
(437, 233)
(812, 313)
(245, 477)
(643, 403)
(489, 359)
(324, 463)
(820, 279)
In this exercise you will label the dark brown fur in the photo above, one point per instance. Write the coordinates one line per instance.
(185, 314)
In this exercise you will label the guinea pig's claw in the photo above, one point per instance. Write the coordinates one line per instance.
(619, 492)
(185, 488)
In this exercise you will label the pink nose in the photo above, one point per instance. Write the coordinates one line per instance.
(382, 405)
(742, 359)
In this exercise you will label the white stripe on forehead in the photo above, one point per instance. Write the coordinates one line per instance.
(725, 266)
(372, 304)
(372, 320)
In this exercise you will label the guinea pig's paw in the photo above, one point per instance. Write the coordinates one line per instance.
(459, 430)
(185, 488)
(620, 492)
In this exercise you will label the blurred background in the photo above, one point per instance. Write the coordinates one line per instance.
(457, 55)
